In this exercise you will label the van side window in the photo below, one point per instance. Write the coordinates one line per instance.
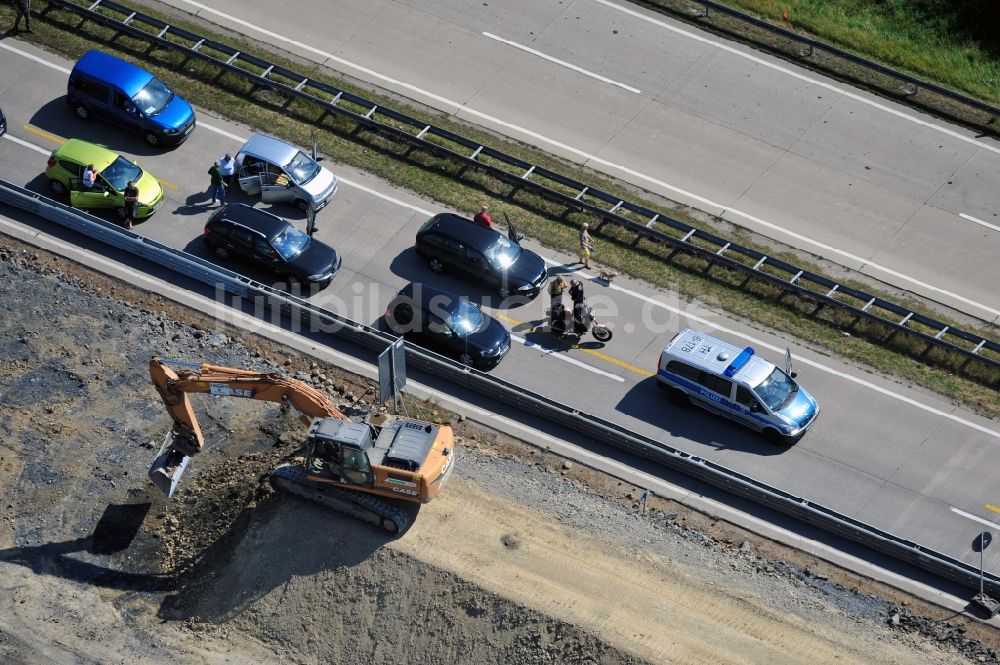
(746, 398)
(92, 88)
(684, 370)
(717, 384)
(123, 102)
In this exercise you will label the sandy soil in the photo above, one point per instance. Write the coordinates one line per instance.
(525, 558)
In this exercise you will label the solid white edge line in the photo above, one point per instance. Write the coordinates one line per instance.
(27, 144)
(563, 63)
(35, 58)
(978, 221)
(573, 361)
(974, 518)
(806, 361)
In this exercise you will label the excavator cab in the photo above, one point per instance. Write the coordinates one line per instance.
(336, 451)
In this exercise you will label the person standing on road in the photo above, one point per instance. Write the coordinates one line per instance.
(586, 245)
(218, 187)
(227, 166)
(23, 8)
(131, 203)
(483, 218)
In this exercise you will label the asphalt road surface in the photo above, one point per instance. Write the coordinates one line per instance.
(805, 159)
(886, 454)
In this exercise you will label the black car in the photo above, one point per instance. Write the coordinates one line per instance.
(449, 324)
(485, 255)
(241, 230)
(3, 123)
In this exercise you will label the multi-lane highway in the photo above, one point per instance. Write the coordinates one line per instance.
(807, 160)
(886, 454)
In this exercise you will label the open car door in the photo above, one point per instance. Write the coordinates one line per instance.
(95, 197)
(512, 233)
(277, 189)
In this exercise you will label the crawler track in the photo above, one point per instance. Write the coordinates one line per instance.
(291, 479)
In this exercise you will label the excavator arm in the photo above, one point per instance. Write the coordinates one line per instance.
(185, 438)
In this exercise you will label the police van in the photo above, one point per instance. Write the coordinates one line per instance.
(736, 383)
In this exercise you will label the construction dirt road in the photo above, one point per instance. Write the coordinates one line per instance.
(524, 558)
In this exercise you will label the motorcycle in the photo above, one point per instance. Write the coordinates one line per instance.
(577, 320)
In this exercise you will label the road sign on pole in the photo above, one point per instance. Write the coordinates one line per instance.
(991, 606)
(392, 372)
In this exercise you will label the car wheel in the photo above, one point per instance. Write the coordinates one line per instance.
(120, 213)
(302, 204)
(435, 265)
(57, 187)
(466, 359)
(222, 253)
(82, 112)
(679, 397)
(153, 139)
(504, 293)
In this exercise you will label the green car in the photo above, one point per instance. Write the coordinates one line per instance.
(65, 172)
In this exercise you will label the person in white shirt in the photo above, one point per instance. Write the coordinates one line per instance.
(227, 166)
(89, 176)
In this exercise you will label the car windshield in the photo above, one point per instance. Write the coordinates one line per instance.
(503, 253)
(467, 318)
(153, 98)
(302, 168)
(777, 390)
(290, 242)
(119, 172)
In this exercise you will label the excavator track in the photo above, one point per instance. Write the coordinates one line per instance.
(291, 479)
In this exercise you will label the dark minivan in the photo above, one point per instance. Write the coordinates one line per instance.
(269, 241)
(449, 241)
(102, 86)
(449, 324)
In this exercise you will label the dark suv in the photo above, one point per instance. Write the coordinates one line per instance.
(485, 255)
(449, 324)
(267, 240)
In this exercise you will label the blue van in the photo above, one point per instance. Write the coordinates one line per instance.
(698, 368)
(102, 86)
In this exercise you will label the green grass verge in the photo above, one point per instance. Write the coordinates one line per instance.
(446, 182)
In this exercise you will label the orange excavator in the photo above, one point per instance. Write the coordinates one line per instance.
(369, 469)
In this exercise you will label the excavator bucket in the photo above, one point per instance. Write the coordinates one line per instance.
(168, 467)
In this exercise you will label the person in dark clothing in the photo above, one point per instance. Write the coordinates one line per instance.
(23, 8)
(131, 203)
(576, 291)
(218, 186)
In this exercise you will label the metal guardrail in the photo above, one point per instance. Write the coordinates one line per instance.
(509, 393)
(754, 265)
(816, 45)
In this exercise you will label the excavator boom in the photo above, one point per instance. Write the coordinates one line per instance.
(369, 469)
(185, 438)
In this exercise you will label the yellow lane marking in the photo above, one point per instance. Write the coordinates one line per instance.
(57, 139)
(592, 352)
(44, 134)
(990, 506)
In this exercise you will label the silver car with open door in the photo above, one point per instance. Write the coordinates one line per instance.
(282, 173)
